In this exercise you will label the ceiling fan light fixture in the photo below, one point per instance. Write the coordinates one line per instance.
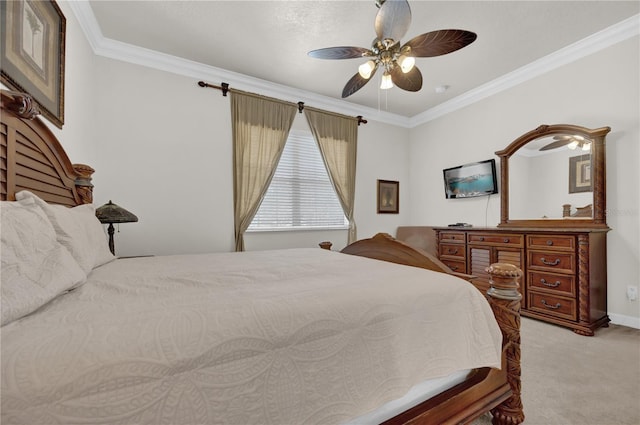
(406, 63)
(573, 145)
(366, 69)
(386, 82)
(586, 146)
(387, 52)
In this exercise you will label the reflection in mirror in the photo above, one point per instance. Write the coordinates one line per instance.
(535, 186)
(548, 174)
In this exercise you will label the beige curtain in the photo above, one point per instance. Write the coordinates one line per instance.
(337, 137)
(260, 127)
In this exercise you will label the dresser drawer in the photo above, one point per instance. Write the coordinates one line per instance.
(551, 242)
(455, 265)
(452, 250)
(506, 239)
(560, 283)
(561, 307)
(452, 236)
(560, 262)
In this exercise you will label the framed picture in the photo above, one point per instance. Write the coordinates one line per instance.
(388, 197)
(580, 174)
(32, 53)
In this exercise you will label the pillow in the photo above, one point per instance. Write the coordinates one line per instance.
(77, 229)
(35, 266)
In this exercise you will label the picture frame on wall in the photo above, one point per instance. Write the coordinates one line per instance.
(388, 197)
(32, 53)
(580, 174)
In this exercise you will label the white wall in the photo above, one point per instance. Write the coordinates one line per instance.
(161, 147)
(164, 153)
(596, 91)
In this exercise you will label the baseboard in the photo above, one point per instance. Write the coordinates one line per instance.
(629, 321)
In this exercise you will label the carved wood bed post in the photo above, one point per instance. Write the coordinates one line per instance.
(504, 299)
(83, 182)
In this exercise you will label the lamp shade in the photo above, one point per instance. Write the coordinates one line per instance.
(366, 69)
(112, 213)
(386, 82)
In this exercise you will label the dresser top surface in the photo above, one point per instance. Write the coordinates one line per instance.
(531, 230)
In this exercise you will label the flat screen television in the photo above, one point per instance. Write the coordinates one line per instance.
(471, 180)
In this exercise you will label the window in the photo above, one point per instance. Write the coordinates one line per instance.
(300, 195)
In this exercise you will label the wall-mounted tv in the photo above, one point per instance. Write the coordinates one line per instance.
(470, 180)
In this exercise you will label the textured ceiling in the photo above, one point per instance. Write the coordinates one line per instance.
(269, 40)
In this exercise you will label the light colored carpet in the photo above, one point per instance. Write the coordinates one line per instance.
(570, 379)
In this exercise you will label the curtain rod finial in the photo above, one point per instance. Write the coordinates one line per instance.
(300, 106)
(361, 120)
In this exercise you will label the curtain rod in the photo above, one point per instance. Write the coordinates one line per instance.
(224, 87)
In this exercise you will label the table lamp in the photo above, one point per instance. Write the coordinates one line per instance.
(112, 213)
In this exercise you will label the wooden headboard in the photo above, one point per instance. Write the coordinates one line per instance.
(33, 159)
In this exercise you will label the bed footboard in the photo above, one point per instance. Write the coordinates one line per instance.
(497, 391)
(386, 248)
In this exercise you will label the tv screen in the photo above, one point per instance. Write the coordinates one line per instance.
(470, 180)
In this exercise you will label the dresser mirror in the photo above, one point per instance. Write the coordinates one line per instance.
(554, 176)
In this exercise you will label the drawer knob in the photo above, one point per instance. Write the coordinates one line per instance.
(549, 242)
(505, 240)
(554, 307)
(481, 238)
(550, 263)
(549, 284)
(452, 251)
(454, 268)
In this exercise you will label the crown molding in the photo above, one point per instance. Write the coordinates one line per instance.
(616, 33)
(113, 49)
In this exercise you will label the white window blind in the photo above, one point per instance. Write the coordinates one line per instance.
(300, 194)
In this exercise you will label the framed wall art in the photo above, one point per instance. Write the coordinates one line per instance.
(388, 197)
(33, 52)
(580, 174)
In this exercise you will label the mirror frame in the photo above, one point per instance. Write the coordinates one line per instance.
(598, 170)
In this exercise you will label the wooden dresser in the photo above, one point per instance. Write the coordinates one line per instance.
(565, 270)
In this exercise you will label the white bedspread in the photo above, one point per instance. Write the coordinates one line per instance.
(280, 337)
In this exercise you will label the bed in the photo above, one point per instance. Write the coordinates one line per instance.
(377, 333)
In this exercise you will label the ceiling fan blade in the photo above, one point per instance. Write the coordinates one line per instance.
(441, 42)
(356, 83)
(411, 81)
(340, 52)
(563, 137)
(570, 137)
(556, 144)
(393, 20)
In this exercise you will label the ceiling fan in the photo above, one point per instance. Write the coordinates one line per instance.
(398, 61)
(573, 141)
